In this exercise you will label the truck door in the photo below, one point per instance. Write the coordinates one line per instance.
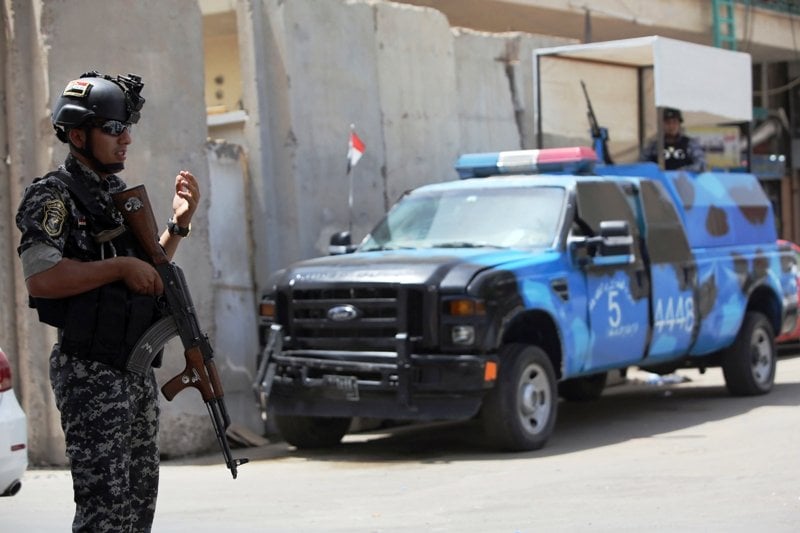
(617, 294)
(672, 274)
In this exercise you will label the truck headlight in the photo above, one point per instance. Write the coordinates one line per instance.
(463, 322)
(463, 335)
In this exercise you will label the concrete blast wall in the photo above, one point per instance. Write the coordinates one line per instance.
(494, 73)
(418, 93)
(384, 68)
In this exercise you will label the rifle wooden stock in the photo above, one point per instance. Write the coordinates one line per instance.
(135, 207)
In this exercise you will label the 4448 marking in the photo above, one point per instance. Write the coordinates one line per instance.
(675, 313)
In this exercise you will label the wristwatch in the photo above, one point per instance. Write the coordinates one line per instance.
(175, 229)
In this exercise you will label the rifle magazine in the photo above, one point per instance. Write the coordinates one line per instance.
(150, 344)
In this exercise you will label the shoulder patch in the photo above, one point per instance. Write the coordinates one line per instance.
(78, 88)
(54, 215)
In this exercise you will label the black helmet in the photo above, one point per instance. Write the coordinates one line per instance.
(671, 112)
(96, 95)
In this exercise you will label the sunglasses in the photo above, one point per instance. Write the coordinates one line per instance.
(115, 128)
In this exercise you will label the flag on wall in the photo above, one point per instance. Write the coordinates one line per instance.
(355, 149)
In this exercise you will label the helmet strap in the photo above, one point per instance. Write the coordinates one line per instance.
(88, 152)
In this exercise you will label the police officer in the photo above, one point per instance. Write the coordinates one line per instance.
(680, 151)
(87, 276)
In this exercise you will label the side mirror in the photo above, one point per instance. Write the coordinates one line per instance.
(615, 245)
(340, 243)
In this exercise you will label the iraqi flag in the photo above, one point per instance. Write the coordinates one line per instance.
(355, 149)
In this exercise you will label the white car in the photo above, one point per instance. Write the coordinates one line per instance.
(13, 434)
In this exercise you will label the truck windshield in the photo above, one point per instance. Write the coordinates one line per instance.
(511, 217)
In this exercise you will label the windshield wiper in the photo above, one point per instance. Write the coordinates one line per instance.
(449, 244)
(465, 244)
(385, 247)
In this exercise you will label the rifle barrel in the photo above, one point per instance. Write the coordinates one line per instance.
(216, 410)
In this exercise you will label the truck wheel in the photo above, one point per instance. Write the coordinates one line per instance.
(749, 363)
(585, 389)
(519, 413)
(310, 432)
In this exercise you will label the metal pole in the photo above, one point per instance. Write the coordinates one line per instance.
(350, 176)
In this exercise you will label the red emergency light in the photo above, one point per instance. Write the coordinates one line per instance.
(574, 160)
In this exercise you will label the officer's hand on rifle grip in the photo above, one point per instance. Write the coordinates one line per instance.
(140, 276)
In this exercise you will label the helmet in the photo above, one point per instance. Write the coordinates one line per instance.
(671, 112)
(96, 95)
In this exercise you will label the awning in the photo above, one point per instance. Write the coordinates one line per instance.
(709, 85)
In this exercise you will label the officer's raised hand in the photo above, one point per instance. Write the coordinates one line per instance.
(187, 195)
(184, 204)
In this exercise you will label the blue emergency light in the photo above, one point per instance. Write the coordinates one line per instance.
(572, 160)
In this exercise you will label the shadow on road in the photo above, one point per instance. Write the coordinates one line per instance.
(623, 413)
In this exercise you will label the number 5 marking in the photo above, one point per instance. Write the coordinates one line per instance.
(614, 311)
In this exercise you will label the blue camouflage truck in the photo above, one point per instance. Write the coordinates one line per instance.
(527, 280)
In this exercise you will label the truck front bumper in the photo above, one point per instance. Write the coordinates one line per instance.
(401, 385)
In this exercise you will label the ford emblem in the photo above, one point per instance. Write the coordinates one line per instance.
(343, 313)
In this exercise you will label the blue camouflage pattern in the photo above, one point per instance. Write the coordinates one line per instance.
(110, 422)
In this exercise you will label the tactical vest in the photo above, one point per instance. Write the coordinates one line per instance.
(676, 155)
(102, 324)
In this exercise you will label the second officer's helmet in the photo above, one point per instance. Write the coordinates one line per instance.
(97, 96)
(671, 112)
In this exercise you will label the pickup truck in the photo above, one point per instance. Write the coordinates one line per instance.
(523, 282)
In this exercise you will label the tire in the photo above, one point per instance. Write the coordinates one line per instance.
(519, 413)
(749, 363)
(312, 432)
(585, 389)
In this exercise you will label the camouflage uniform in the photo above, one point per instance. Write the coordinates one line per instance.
(109, 417)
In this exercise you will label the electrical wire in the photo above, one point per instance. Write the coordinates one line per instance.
(778, 90)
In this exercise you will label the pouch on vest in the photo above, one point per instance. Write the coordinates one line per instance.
(51, 311)
(103, 324)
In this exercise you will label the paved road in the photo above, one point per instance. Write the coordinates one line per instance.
(684, 457)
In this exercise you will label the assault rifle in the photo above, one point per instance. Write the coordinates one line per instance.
(180, 320)
(599, 134)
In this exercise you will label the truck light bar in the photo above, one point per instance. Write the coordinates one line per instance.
(572, 160)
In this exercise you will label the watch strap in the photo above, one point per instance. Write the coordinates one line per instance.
(175, 229)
